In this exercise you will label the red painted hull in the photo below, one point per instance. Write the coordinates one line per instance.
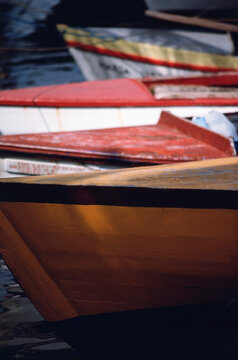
(171, 140)
(118, 93)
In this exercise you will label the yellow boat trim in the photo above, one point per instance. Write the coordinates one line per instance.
(149, 51)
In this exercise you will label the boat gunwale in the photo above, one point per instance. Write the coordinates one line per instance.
(125, 196)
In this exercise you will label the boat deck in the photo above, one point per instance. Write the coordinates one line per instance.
(218, 174)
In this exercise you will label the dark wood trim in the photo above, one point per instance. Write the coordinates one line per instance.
(118, 196)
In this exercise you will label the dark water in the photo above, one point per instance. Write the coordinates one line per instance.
(26, 26)
(23, 332)
(32, 53)
(23, 32)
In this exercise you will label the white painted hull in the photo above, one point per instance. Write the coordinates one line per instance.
(26, 120)
(101, 67)
(136, 53)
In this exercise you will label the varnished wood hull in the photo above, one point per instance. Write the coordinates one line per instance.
(123, 240)
(130, 257)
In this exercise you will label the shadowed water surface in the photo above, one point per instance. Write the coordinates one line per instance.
(23, 332)
(32, 53)
(25, 335)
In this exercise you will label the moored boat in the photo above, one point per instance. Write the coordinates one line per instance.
(98, 252)
(171, 140)
(106, 53)
(115, 103)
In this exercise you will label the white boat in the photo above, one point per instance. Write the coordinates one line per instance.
(115, 103)
(106, 53)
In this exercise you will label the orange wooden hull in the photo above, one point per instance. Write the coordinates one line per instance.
(142, 238)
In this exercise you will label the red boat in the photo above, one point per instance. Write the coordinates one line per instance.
(115, 103)
(171, 140)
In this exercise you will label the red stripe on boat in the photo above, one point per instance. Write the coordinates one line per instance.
(143, 59)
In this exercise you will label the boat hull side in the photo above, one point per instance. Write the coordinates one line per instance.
(26, 120)
(104, 258)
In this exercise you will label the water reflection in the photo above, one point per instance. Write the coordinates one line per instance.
(23, 332)
(27, 55)
(26, 70)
